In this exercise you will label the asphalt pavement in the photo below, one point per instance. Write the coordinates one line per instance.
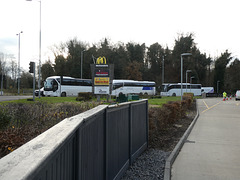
(10, 98)
(212, 150)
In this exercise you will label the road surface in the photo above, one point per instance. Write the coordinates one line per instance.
(10, 98)
(212, 150)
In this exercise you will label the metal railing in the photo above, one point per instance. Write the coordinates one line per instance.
(98, 144)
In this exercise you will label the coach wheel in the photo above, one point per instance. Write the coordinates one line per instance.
(63, 94)
(174, 94)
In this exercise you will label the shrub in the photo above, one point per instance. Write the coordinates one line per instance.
(168, 114)
(84, 96)
(188, 98)
(158, 118)
(4, 118)
(22, 122)
(188, 94)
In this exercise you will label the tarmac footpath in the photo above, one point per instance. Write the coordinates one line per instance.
(212, 149)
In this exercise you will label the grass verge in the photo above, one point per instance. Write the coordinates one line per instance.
(160, 101)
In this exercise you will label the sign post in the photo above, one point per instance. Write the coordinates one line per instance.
(102, 76)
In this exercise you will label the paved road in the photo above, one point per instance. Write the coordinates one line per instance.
(212, 150)
(10, 98)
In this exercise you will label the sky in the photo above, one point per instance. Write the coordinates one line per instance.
(214, 24)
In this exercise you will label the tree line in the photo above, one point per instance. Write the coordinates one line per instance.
(139, 62)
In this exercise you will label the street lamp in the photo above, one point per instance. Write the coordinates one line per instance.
(191, 82)
(19, 61)
(217, 86)
(183, 54)
(163, 69)
(188, 71)
(39, 68)
(82, 61)
(2, 75)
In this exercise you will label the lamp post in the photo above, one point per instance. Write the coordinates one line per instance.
(40, 30)
(191, 82)
(163, 69)
(188, 71)
(217, 86)
(183, 54)
(82, 61)
(19, 61)
(2, 76)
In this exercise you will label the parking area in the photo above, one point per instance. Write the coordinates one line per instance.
(212, 150)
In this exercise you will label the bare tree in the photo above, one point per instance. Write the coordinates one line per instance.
(2, 65)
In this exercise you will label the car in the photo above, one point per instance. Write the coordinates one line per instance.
(41, 92)
(237, 96)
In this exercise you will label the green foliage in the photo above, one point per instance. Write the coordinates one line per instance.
(163, 100)
(154, 58)
(132, 61)
(166, 115)
(47, 70)
(60, 65)
(20, 122)
(219, 71)
(183, 44)
(4, 118)
(47, 100)
(134, 71)
(26, 80)
(120, 60)
(85, 96)
(135, 61)
(73, 61)
(232, 77)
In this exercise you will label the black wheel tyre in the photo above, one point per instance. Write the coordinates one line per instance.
(63, 94)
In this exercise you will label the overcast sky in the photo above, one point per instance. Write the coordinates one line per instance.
(215, 24)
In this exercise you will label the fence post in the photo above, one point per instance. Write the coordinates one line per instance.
(77, 155)
(130, 133)
(147, 123)
(106, 143)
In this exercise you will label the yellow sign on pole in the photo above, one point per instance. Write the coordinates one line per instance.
(101, 60)
(101, 81)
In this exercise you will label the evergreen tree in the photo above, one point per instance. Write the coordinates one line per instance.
(220, 67)
(47, 70)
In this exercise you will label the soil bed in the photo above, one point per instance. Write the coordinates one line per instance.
(168, 138)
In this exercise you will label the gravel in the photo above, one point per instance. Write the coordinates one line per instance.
(149, 166)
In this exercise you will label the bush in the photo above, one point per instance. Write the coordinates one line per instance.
(158, 118)
(188, 98)
(84, 96)
(4, 118)
(168, 114)
(19, 123)
(174, 111)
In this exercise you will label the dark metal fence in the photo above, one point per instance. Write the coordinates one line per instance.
(98, 144)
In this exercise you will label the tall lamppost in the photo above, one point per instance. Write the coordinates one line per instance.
(217, 86)
(183, 54)
(191, 83)
(19, 61)
(39, 67)
(82, 61)
(188, 71)
(2, 75)
(163, 69)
